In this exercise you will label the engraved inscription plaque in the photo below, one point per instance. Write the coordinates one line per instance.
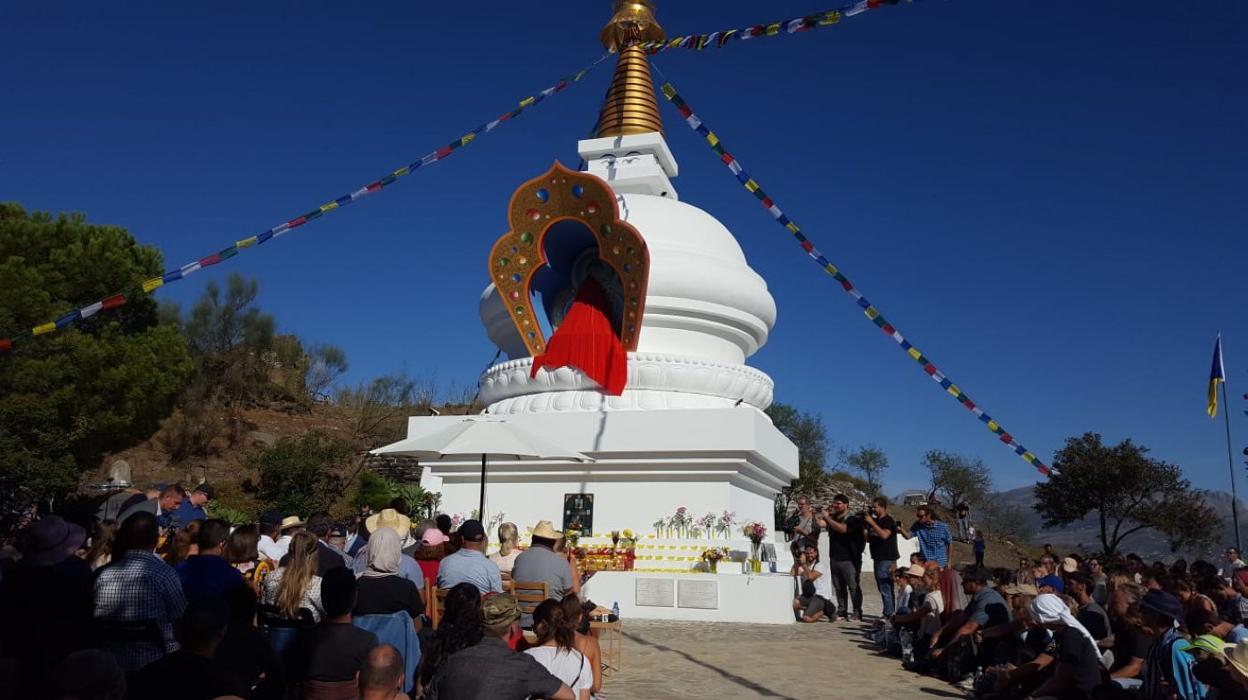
(698, 594)
(655, 592)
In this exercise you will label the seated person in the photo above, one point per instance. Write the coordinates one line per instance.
(335, 649)
(490, 669)
(1077, 668)
(986, 609)
(923, 622)
(192, 670)
(381, 678)
(814, 586)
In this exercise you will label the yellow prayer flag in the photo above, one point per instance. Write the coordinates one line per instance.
(45, 328)
(152, 284)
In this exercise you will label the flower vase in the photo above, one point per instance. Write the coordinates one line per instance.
(713, 566)
(756, 557)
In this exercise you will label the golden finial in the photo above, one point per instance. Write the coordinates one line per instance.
(633, 22)
(630, 106)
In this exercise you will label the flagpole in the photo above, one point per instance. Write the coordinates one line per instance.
(1230, 463)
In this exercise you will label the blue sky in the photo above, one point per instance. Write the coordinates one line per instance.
(1047, 198)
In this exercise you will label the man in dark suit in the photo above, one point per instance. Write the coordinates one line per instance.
(162, 507)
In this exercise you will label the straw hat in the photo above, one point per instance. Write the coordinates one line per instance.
(1238, 657)
(390, 518)
(915, 570)
(291, 521)
(545, 530)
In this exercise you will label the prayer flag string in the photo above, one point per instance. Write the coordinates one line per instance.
(697, 42)
(178, 273)
(869, 310)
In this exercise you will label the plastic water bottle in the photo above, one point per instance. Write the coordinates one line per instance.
(615, 609)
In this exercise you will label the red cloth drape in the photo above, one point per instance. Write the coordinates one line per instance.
(585, 340)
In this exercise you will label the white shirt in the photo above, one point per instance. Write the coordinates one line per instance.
(930, 624)
(823, 584)
(567, 665)
(273, 550)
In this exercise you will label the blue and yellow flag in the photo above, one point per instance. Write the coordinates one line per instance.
(1217, 375)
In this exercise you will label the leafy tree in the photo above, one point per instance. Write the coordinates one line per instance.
(1127, 490)
(378, 410)
(72, 396)
(374, 491)
(302, 475)
(869, 461)
(807, 432)
(959, 479)
(325, 364)
(230, 338)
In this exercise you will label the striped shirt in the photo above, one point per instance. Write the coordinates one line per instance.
(1168, 671)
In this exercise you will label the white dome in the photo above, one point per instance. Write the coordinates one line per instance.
(703, 299)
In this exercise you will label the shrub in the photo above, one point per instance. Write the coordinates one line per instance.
(302, 475)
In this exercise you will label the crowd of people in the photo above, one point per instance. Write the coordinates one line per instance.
(1064, 627)
(154, 599)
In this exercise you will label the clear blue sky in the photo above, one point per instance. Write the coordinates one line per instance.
(1048, 198)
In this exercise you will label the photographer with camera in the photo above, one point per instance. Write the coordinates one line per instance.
(802, 524)
(813, 589)
(846, 542)
(882, 539)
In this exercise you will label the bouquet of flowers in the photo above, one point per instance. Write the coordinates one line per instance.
(627, 539)
(681, 519)
(726, 521)
(755, 532)
(660, 525)
(706, 523)
(711, 554)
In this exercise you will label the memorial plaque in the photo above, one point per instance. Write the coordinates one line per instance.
(698, 594)
(578, 512)
(655, 592)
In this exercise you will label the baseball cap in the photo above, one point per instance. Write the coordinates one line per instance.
(1054, 582)
(499, 610)
(337, 530)
(1208, 643)
(1162, 603)
(472, 530)
(915, 570)
(1069, 565)
(207, 490)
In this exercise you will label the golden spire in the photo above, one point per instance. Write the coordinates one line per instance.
(630, 107)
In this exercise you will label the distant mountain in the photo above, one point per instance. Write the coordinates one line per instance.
(1149, 544)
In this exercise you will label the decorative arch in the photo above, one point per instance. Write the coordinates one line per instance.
(567, 195)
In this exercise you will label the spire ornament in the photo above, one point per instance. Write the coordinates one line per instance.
(630, 106)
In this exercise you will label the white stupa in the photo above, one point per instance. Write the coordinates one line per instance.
(688, 429)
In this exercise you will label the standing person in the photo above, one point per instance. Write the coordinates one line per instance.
(137, 586)
(469, 564)
(490, 670)
(161, 506)
(882, 540)
(556, 648)
(541, 563)
(845, 545)
(962, 516)
(981, 547)
(1233, 563)
(802, 523)
(934, 536)
(192, 507)
(296, 586)
(508, 548)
